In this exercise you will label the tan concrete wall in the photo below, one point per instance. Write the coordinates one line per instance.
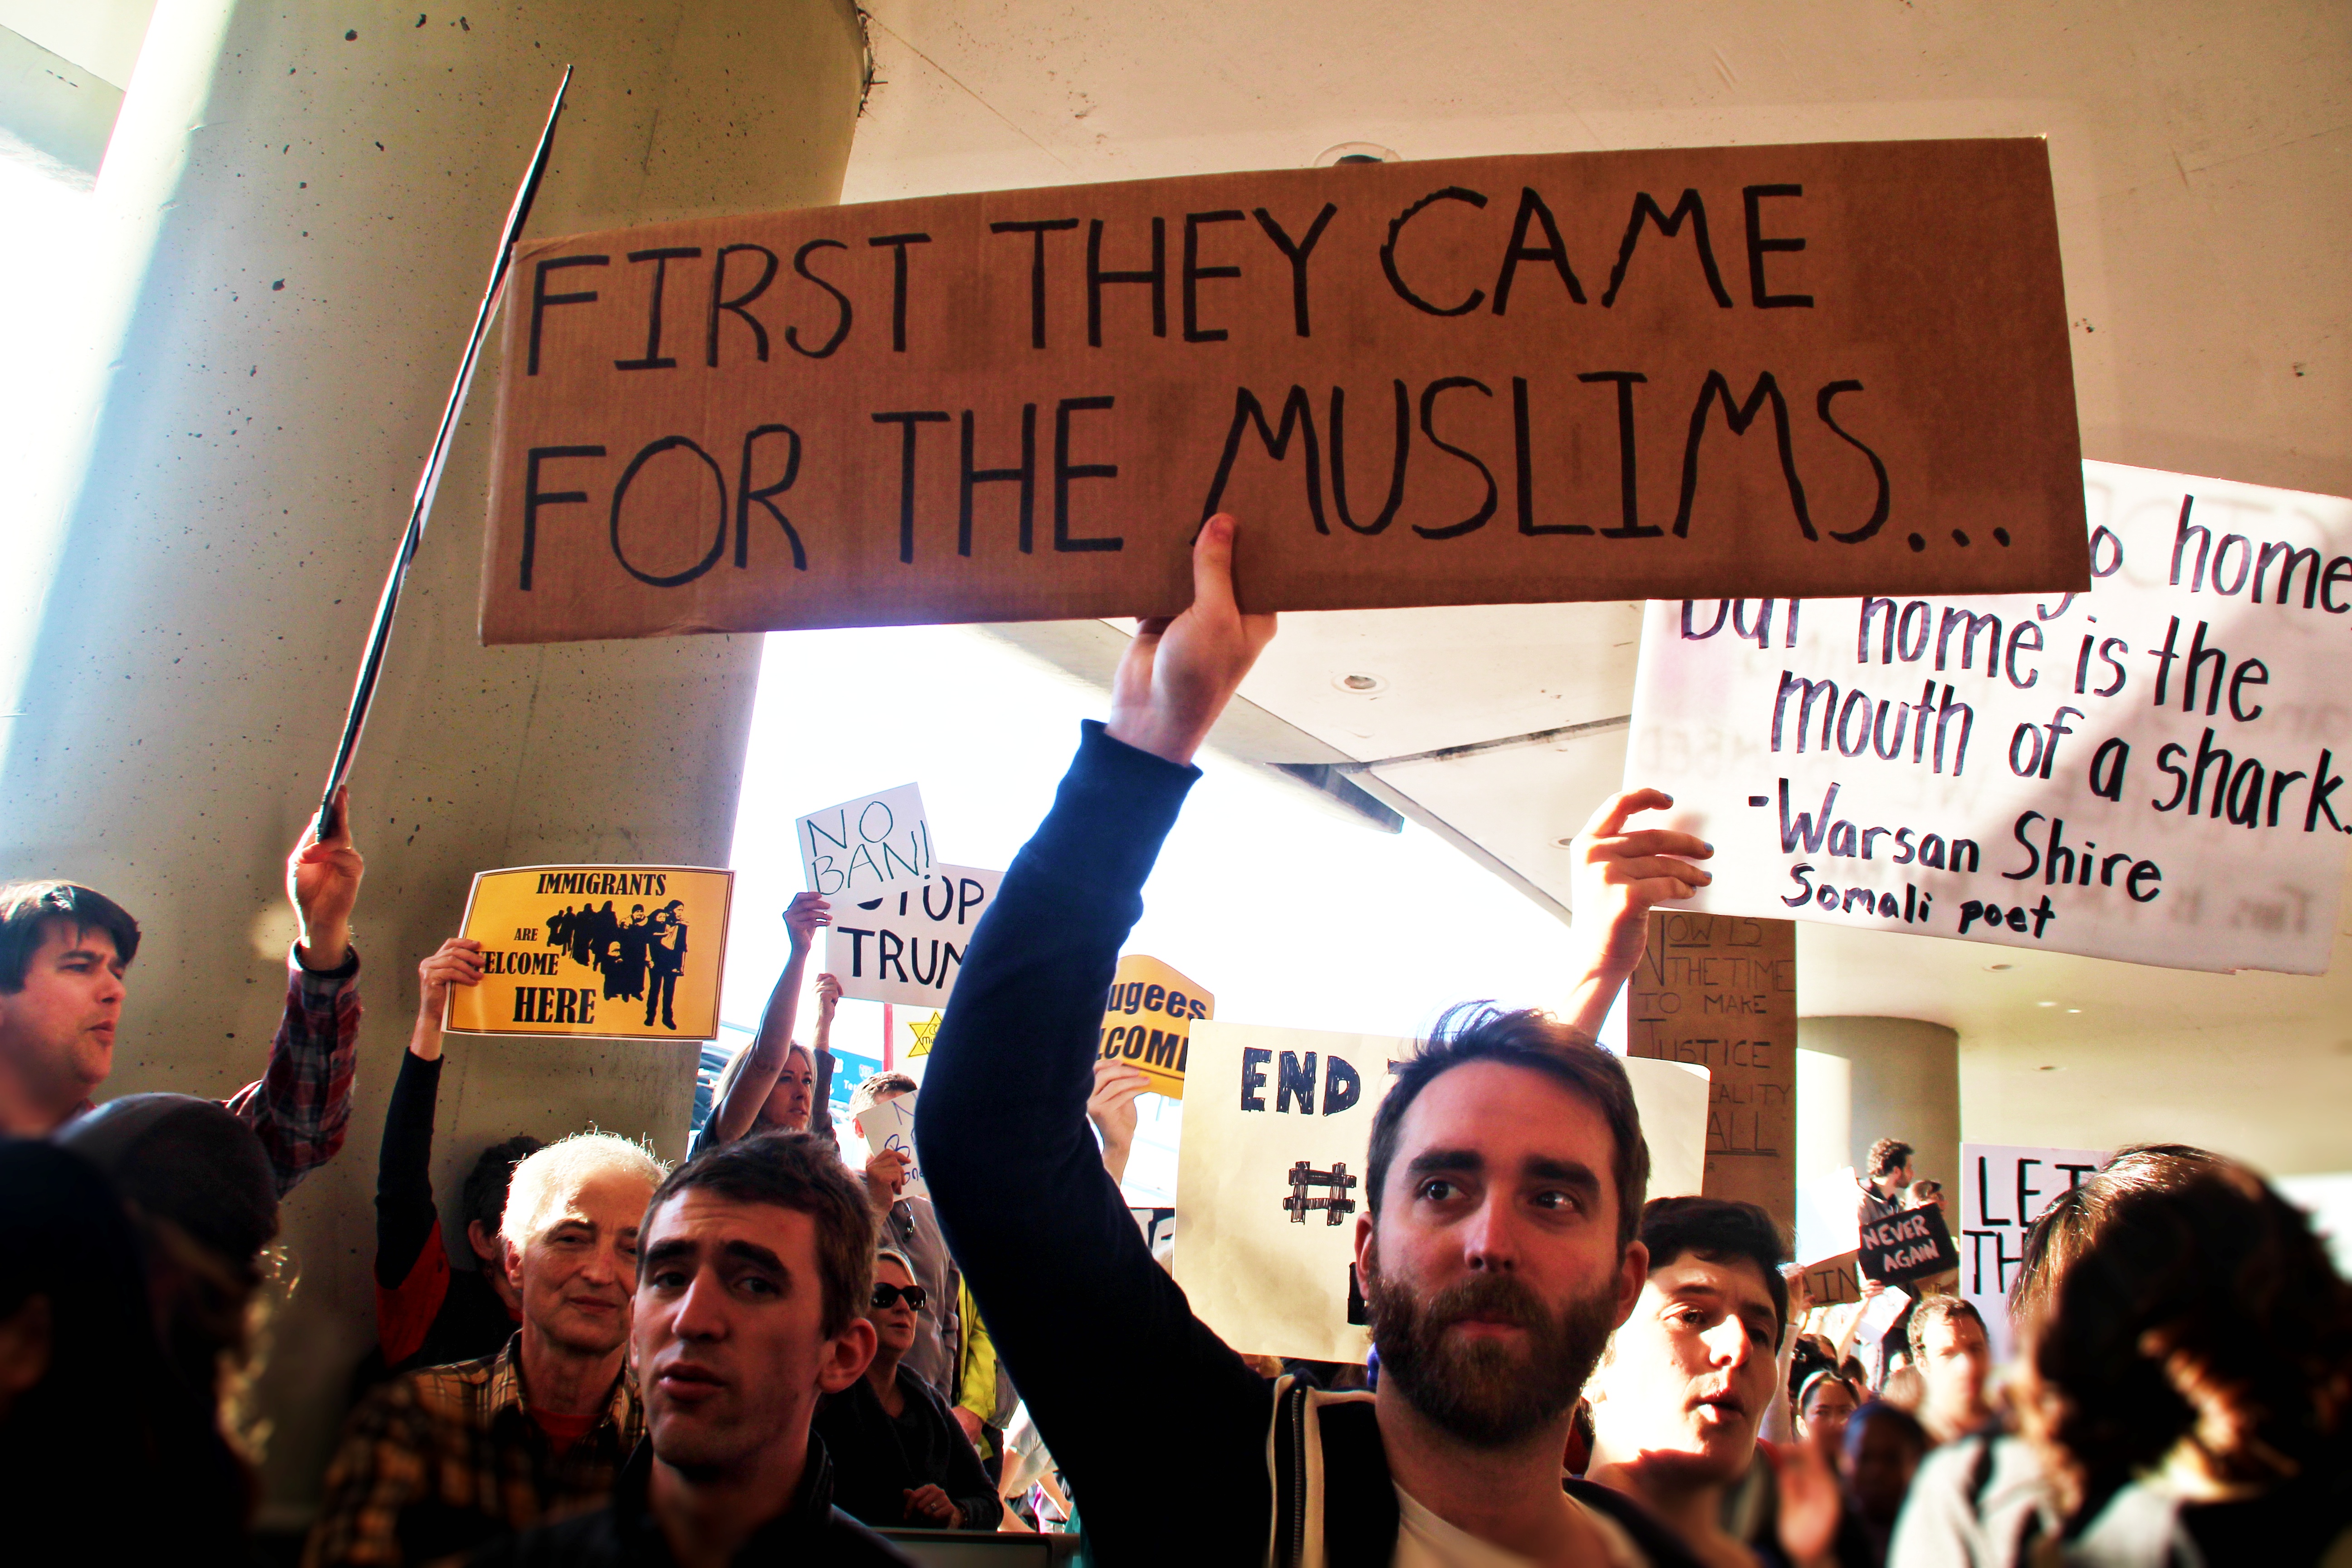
(322, 211)
(1905, 1081)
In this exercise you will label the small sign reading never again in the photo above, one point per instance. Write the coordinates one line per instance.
(1815, 370)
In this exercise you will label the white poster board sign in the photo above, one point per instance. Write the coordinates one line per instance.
(2003, 1188)
(877, 843)
(1829, 1208)
(891, 1126)
(1270, 1176)
(905, 944)
(2150, 771)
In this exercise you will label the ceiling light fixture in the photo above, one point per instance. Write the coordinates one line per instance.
(1360, 685)
(1356, 153)
(1997, 968)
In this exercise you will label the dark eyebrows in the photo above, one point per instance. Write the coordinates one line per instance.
(759, 1256)
(1430, 1161)
(1754, 1315)
(1573, 1173)
(669, 1251)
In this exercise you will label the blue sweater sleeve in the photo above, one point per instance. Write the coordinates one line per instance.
(1145, 1409)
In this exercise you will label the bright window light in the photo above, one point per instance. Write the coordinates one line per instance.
(1287, 912)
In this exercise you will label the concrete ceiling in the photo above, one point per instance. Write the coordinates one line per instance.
(2203, 163)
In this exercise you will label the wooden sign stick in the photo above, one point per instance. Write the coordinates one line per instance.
(421, 508)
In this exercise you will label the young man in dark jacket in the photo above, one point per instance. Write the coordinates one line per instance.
(757, 1260)
(1506, 1172)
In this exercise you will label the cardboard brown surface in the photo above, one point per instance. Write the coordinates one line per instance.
(939, 410)
(1721, 991)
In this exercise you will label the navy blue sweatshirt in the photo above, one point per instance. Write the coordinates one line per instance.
(1160, 1427)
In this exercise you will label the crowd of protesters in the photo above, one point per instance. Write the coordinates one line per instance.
(778, 1352)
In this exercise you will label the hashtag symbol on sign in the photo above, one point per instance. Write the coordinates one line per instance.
(1335, 1183)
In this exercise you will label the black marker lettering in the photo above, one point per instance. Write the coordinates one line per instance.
(1037, 229)
(541, 298)
(720, 302)
(1297, 254)
(1194, 272)
(653, 358)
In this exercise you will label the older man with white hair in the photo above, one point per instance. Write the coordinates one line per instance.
(444, 1460)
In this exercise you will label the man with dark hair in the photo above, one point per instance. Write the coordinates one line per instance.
(427, 1313)
(63, 949)
(756, 1266)
(1884, 1185)
(1949, 1348)
(1688, 1376)
(1496, 1254)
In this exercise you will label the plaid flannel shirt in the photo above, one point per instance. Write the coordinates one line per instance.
(447, 1458)
(301, 1106)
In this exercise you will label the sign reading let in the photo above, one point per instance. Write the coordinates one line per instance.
(1801, 370)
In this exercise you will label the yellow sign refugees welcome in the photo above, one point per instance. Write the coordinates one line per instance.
(1148, 1020)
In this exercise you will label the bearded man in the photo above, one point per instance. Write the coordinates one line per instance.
(1507, 1173)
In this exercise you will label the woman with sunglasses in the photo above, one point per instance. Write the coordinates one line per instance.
(899, 1460)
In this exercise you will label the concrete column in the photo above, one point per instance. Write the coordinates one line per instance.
(304, 202)
(1903, 1081)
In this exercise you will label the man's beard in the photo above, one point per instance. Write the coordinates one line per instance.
(1483, 1391)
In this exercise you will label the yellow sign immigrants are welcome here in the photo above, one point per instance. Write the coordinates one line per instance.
(613, 951)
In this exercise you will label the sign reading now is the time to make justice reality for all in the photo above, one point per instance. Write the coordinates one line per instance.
(1837, 368)
(2152, 771)
(613, 951)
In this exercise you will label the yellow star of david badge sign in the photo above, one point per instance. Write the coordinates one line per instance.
(923, 1033)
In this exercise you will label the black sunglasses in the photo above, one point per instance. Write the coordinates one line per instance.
(913, 1295)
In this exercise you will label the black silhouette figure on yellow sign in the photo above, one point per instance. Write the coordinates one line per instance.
(640, 956)
(665, 958)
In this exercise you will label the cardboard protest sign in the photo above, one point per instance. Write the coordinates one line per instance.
(1648, 373)
(2147, 771)
(1148, 1020)
(905, 945)
(1833, 1281)
(1827, 1214)
(1911, 1244)
(891, 1126)
(609, 951)
(877, 843)
(2004, 1188)
(1721, 993)
(1270, 1178)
